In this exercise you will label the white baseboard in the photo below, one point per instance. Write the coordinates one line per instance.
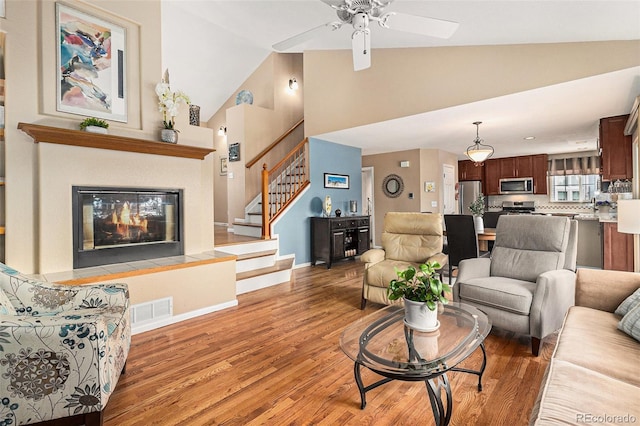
(152, 325)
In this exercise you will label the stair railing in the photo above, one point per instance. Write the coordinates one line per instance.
(282, 184)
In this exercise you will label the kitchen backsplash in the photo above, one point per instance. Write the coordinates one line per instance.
(542, 203)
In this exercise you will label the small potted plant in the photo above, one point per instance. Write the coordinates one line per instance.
(477, 210)
(94, 125)
(421, 290)
(168, 102)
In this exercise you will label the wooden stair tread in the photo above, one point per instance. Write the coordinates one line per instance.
(254, 225)
(255, 254)
(281, 265)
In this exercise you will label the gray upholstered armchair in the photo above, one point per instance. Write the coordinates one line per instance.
(529, 282)
(407, 239)
(62, 349)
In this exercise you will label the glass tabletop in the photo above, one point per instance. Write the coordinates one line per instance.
(383, 343)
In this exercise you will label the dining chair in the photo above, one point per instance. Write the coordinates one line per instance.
(490, 220)
(462, 240)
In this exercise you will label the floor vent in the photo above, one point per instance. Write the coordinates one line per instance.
(151, 311)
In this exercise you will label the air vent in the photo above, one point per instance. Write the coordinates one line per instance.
(151, 311)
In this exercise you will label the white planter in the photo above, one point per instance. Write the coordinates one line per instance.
(419, 317)
(96, 129)
(479, 224)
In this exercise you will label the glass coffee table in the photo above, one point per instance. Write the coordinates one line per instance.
(382, 343)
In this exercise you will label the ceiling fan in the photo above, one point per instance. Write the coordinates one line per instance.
(359, 13)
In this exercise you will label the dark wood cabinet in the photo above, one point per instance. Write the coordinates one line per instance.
(468, 170)
(526, 166)
(616, 149)
(507, 167)
(617, 248)
(337, 238)
(492, 177)
(539, 165)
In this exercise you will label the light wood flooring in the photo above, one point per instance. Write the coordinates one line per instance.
(275, 360)
(222, 237)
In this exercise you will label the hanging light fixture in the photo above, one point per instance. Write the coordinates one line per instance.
(479, 152)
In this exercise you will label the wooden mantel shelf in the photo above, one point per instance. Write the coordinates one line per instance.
(61, 136)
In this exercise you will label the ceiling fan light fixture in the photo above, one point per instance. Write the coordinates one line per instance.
(479, 152)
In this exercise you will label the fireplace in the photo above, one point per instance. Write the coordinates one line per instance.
(114, 225)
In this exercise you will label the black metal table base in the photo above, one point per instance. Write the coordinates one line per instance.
(435, 386)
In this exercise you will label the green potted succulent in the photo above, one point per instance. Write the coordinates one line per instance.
(477, 210)
(95, 125)
(421, 289)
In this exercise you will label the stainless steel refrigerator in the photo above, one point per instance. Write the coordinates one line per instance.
(468, 192)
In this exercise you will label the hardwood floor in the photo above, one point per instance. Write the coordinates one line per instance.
(223, 237)
(275, 360)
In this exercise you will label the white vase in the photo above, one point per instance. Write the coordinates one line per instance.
(479, 224)
(418, 316)
(96, 129)
(169, 135)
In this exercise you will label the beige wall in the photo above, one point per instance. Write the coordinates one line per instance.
(403, 82)
(275, 109)
(39, 176)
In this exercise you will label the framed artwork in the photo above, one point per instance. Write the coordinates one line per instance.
(91, 65)
(429, 187)
(332, 180)
(223, 166)
(234, 152)
(2, 9)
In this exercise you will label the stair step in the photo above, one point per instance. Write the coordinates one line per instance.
(281, 265)
(253, 225)
(254, 213)
(255, 254)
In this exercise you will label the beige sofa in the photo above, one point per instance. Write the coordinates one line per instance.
(594, 373)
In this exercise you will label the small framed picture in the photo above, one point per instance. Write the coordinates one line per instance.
(234, 152)
(223, 166)
(332, 180)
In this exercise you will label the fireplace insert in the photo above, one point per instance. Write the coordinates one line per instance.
(115, 225)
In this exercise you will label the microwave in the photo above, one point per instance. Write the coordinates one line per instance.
(516, 186)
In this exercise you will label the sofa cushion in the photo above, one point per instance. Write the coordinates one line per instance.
(590, 338)
(6, 307)
(381, 273)
(412, 237)
(629, 303)
(506, 294)
(574, 395)
(630, 323)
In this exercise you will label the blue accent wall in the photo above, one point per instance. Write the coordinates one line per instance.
(294, 227)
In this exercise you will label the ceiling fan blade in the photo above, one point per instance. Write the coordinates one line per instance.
(306, 36)
(334, 3)
(423, 25)
(361, 48)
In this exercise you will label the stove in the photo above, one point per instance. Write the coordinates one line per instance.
(518, 207)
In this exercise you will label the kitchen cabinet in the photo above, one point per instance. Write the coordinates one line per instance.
(337, 238)
(539, 166)
(616, 154)
(468, 170)
(507, 167)
(492, 177)
(617, 248)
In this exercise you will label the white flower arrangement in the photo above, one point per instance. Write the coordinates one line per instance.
(168, 102)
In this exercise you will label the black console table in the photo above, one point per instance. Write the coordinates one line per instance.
(337, 238)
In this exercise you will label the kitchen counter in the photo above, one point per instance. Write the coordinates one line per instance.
(608, 218)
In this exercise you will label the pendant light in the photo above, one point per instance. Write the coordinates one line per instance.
(479, 152)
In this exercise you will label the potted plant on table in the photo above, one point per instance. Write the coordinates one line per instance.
(477, 210)
(422, 290)
(94, 125)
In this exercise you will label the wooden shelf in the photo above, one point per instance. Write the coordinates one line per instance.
(61, 136)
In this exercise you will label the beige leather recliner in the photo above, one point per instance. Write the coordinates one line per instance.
(407, 239)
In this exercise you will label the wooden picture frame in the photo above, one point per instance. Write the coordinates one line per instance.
(333, 180)
(90, 65)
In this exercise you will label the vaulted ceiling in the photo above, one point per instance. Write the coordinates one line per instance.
(211, 47)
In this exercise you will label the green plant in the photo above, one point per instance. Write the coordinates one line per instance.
(420, 285)
(92, 121)
(477, 207)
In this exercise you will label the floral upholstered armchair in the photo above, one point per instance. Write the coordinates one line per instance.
(62, 348)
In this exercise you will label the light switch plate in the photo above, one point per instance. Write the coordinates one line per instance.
(434, 204)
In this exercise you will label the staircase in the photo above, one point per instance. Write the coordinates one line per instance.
(257, 264)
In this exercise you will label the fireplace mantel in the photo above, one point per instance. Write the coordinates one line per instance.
(61, 136)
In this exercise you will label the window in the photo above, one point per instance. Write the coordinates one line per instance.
(574, 188)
